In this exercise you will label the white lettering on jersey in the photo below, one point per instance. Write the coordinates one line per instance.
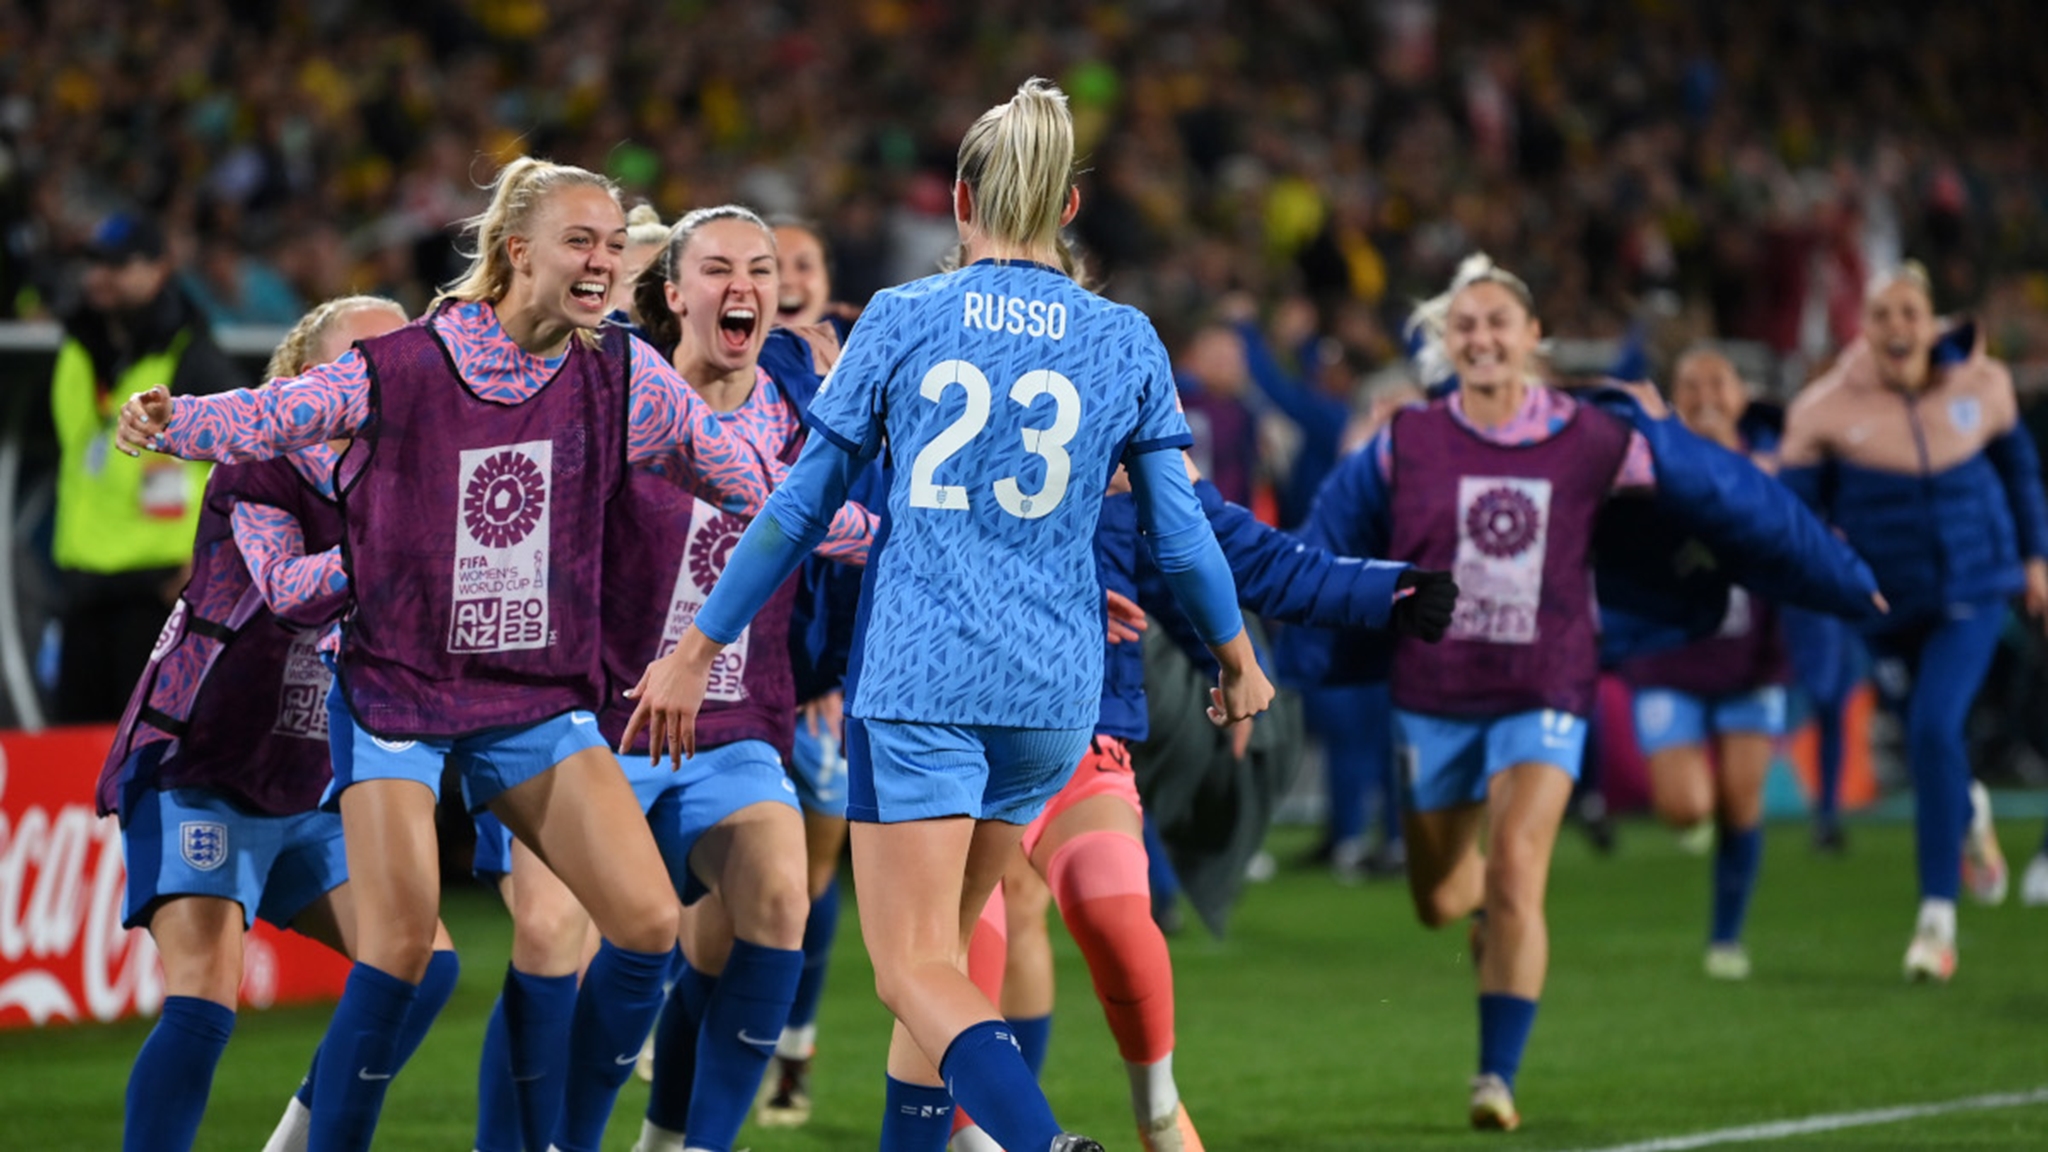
(501, 549)
(1014, 315)
(712, 536)
(1503, 535)
(1049, 444)
(302, 696)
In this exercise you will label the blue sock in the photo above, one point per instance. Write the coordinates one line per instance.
(1504, 1024)
(620, 997)
(916, 1118)
(538, 1014)
(435, 987)
(819, 931)
(675, 1047)
(1736, 856)
(359, 1056)
(742, 1022)
(497, 1104)
(173, 1073)
(1034, 1034)
(986, 1074)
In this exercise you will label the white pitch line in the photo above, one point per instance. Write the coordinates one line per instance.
(1831, 1122)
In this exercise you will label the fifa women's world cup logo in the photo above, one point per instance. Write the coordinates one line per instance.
(706, 547)
(503, 500)
(1503, 536)
(502, 549)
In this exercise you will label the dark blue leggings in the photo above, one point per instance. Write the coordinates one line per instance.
(1946, 660)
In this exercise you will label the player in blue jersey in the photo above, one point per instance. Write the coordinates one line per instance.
(977, 669)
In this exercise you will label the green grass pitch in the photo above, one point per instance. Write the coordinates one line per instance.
(1330, 1021)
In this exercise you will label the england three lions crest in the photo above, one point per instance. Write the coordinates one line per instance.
(203, 844)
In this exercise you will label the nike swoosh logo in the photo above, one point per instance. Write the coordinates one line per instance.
(582, 718)
(366, 1074)
(629, 1058)
(751, 1042)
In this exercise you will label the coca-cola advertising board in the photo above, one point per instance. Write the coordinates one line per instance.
(64, 956)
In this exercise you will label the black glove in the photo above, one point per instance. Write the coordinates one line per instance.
(1423, 602)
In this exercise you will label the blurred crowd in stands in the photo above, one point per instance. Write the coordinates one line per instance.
(1731, 170)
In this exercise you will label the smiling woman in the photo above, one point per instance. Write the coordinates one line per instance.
(486, 453)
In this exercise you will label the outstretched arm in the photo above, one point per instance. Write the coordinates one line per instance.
(328, 401)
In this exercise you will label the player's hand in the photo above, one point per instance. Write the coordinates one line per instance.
(1423, 604)
(1126, 620)
(670, 693)
(1646, 394)
(823, 340)
(143, 417)
(825, 716)
(1242, 690)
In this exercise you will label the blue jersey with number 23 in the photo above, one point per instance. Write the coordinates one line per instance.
(1005, 394)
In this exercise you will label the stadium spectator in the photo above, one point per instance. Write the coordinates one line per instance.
(124, 525)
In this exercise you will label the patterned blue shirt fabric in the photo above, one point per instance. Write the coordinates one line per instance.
(1008, 394)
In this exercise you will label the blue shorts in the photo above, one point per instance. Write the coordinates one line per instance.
(898, 771)
(197, 842)
(487, 762)
(1447, 761)
(715, 783)
(819, 769)
(492, 859)
(1671, 719)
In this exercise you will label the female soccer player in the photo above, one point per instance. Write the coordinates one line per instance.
(1728, 690)
(1911, 445)
(980, 660)
(1500, 483)
(729, 824)
(219, 763)
(490, 437)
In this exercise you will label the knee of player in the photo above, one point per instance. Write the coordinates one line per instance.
(774, 915)
(1513, 891)
(651, 928)
(1435, 908)
(1684, 810)
(549, 942)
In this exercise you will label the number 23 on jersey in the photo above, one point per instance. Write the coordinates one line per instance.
(1047, 443)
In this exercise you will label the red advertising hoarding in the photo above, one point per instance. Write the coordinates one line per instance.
(64, 956)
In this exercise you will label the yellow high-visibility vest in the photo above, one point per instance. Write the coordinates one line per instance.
(117, 513)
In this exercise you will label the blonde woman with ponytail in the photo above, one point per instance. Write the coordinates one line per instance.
(1499, 482)
(489, 437)
(1007, 394)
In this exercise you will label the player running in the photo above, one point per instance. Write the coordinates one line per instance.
(1707, 713)
(1912, 447)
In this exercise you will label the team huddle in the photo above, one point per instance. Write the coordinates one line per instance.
(675, 583)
